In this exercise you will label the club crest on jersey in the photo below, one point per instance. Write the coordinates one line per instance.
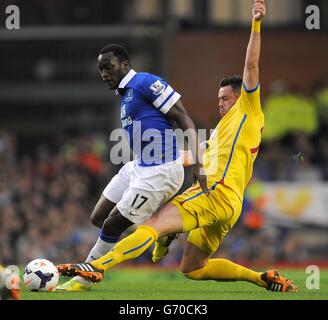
(157, 87)
(129, 95)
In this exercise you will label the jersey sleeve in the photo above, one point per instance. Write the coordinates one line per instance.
(159, 93)
(250, 99)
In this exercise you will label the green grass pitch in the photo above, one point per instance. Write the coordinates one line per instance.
(160, 284)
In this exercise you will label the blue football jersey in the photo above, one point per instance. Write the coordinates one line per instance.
(146, 99)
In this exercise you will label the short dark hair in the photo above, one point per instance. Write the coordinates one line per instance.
(118, 51)
(234, 81)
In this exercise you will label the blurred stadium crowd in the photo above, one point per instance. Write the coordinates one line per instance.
(47, 196)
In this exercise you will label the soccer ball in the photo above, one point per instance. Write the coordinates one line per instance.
(41, 275)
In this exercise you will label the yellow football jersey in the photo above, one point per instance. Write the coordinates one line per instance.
(234, 144)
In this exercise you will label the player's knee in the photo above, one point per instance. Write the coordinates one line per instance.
(196, 274)
(193, 268)
(185, 269)
(115, 224)
(188, 275)
(96, 219)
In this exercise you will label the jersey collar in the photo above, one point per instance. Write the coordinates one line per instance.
(127, 79)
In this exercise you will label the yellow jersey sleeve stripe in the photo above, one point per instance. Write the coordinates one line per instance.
(233, 146)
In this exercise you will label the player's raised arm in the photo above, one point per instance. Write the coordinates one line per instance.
(251, 69)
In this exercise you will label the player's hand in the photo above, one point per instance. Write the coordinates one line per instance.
(199, 175)
(259, 10)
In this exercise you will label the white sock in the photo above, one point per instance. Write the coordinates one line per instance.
(99, 249)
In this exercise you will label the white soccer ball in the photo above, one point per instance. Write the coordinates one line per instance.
(41, 275)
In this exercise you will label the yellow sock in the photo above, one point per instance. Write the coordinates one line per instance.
(128, 248)
(225, 270)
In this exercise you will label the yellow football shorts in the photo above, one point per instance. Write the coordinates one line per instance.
(208, 218)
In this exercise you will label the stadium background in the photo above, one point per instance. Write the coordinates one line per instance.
(56, 116)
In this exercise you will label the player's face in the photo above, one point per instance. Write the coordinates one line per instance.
(227, 99)
(112, 71)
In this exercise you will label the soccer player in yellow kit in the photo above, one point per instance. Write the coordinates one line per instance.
(228, 165)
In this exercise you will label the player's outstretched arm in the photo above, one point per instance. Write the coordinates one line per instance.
(251, 69)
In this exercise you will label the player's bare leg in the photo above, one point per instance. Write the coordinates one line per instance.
(101, 211)
(197, 265)
(193, 259)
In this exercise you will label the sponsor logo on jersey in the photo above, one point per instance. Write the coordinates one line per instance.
(157, 88)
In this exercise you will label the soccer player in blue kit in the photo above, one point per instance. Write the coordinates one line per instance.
(149, 107)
